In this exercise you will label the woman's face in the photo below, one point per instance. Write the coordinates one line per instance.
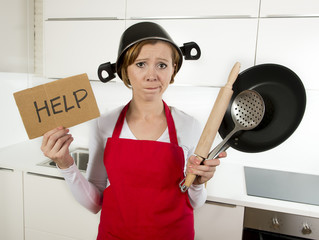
(151, 72)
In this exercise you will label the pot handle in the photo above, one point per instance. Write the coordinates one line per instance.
(187, 51)
(109, 68)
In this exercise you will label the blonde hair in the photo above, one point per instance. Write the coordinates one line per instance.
(132, 53)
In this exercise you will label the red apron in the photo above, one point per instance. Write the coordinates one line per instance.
(144, 201)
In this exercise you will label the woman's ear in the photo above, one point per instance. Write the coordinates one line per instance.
(174, 73)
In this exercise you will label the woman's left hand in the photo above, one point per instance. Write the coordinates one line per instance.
(205, 171)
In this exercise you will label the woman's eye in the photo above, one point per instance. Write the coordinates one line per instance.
(140, 64)
(162, 65)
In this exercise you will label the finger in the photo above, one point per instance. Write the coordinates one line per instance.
(222, 155)
(60, 142)
(55, 136)
(47, 135)
(204, 176)
(212, 162)
(194, 160)
(66, 145)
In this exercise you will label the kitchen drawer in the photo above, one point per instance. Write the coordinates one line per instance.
(222, 41)
(75, 47)
(292, 42)
(51, 208)
(191, 9)
(11, 204)
(219, 221)
(31, 234)
(297, 8)
(84, 9)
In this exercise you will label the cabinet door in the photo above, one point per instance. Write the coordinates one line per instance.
(191, 9)
(292, 42)
(50, 209)
(271, 8)
(84, 9)
(75, 47)
(11, 205)
(31, 234)
(222, 42)
(219, 222)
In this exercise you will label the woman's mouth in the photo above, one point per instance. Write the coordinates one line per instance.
(152, 88)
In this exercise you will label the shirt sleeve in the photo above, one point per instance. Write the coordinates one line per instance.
(88, 190)
(188, 133)
(83, 191)
(197, 193)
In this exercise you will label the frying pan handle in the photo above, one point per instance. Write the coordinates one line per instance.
(187, 51)
(109, 68)
(221, 147)
(186, 182)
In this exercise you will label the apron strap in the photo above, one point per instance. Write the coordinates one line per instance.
(120, 121)
(169, 119)
(170, 125)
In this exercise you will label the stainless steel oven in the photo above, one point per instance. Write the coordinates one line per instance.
(270, 225)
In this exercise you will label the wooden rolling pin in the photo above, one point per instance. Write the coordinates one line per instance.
(213, 123)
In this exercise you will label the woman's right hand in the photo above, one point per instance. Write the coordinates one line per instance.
(55, 145)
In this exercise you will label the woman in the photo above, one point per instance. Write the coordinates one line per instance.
(138, 152)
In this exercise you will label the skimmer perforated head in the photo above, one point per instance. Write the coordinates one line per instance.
(247, 109)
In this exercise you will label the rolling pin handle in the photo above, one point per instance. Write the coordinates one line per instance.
(182, 186)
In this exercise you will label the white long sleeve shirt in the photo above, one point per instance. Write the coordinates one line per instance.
(89, 191)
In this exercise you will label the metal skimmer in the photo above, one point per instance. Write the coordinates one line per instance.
(247, 111)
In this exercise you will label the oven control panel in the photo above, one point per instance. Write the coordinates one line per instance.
(282, 223)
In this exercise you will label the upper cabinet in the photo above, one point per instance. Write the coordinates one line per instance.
(292, 42)
(106, 9)
(222, 42)
(141, 9)
(75, 47)
(289, 8)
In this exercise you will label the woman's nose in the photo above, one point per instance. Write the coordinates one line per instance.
(151, 74)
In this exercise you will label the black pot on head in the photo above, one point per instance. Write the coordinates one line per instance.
(140, 32)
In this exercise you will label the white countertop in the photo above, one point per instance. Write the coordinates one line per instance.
(227, 186)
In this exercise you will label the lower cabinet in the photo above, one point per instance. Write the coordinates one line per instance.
(219, 221)
(11, 205)
(51, 212)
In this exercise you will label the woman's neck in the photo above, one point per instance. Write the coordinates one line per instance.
(146, 120)
(145, 110)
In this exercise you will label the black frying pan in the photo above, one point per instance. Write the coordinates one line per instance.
(285, 101)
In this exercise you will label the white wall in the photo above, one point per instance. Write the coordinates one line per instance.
(16, 43)
(298, 153)
(16, 61)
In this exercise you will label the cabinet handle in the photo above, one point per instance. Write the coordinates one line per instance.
(290, 16)
(83, 19)
(46, 176)
(221, 204)
(6, 169)
(193, 17)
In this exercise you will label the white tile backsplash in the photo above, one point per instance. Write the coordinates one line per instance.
(11, 127)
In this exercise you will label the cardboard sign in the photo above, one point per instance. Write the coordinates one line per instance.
(64, 102)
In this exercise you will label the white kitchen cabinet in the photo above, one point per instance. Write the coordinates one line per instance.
(297, 8)
(106, 9)
(144, 9)
(292, 42)
(17, 43)
(51, 212)
(11, 204)
(222, 42)
(75, 47)
(219, 222)
(31, 234)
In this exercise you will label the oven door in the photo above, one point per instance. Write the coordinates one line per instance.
(260, 224)
(253, 234)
